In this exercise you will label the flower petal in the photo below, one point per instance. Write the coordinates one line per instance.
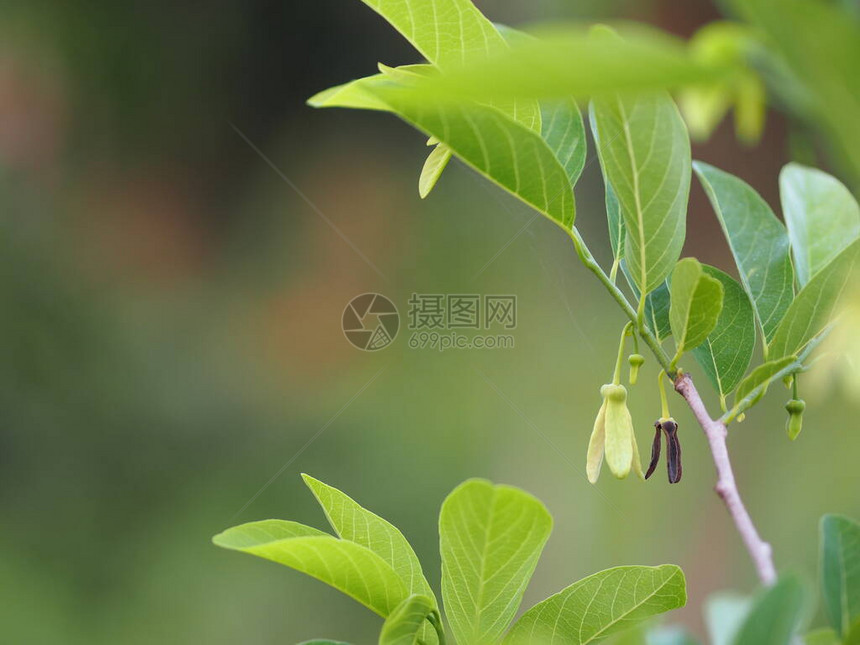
(595, 446)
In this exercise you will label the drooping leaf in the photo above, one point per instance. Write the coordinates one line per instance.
(814, 307)
(644, 153)
(821, 215)
(433, 167)
(824, 636)
(348, 567)
(490, 539)
(763, 375)
(405, 624)
(600, 605)
(758, 241)
(449, 33)
(354, 523)
(563, 130)
(726, 353)
(696, 303)
(840, 571)
(724, 615)
(775, 615)
(503, 150)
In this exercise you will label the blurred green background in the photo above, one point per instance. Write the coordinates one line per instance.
(170, 334)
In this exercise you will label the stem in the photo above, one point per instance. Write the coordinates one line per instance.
(726, 487)
(664, 403)
(436, 620)
(591, 264)
(616, 377)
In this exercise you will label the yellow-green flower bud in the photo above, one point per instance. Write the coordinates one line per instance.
(795, 409)
(636, 361)
(613, 437)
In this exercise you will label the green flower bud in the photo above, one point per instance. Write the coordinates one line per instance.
(613, 437)
(636, 361)
(795, 409)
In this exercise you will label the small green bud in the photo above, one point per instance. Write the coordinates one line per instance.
(794, 425)
(636, 361)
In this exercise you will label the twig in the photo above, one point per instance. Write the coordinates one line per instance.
(726, 488)
(715, 430)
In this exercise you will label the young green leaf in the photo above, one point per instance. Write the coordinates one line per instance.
(724, 615)
(775, 615)
(696, 303)
(405, 624)
(504, 151)
(490, 539)
(433, 167)
(758, 241)
(348, 567)
(354, 523)
(726, 353)
(644, 153)
(600, 605)
(657, 306)
(762, 375)
(840, 571)
(564, 133)
(821, 215)
(813, 308)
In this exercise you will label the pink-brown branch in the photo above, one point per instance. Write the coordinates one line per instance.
(726, 488)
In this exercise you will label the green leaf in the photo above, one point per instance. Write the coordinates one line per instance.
(775, 615)
(348, 567)
(763, 375)
(564, 133)
(405, 624)
(821, 215)
(433, 167)
(726, 353)
(354, 523)
(600, 605)
(696, 303)
(815, 305)
(490, 539)
(824, 636)
(503, 150)
(449, 33)
(758, 241)
(840, 571)
(569, 62)
(724, 615)
(351, 95)
(644, 153)
(617, 232)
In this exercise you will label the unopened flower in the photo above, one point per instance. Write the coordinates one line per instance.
(636, 361)
(795, 409)
(613, 437)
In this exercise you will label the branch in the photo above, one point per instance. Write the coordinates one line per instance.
(715, 430)
(726, 488)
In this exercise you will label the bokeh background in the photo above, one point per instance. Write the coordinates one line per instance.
(171, 355)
